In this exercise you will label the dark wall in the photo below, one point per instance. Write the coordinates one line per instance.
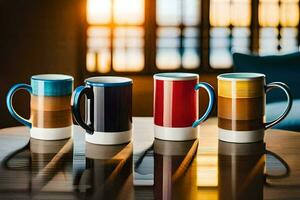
(37, 36)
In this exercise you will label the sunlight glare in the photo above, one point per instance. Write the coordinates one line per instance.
(98, 11)
(129, 12)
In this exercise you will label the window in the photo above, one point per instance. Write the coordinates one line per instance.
(115, 36)
(278, 20)
(177, 34)
(188, 35)
(230, 30)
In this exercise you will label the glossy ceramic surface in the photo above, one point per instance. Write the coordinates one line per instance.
(147, 168)
(176, 105)
(50, 109)
(108, 109)
(241, 106)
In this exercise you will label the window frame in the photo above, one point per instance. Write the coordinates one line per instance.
(150, 37)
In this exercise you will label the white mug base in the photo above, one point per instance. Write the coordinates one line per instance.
(241, 136)
(109, 138)
(175, 134)
(51, 133)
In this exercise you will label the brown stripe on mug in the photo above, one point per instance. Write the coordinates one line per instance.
(51, 119)
(241, 125)
(50, 103)
(241, 108)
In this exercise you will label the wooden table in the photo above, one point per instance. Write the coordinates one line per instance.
(149, 169)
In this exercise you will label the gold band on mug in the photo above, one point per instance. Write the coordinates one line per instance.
(241, 88)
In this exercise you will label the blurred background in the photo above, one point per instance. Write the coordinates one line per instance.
(136, 38)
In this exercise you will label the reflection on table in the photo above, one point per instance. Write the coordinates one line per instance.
(108, 173)
(37, 167)
(143, 169)
(175, 170)
(241, 170)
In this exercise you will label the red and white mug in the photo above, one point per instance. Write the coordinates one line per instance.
(176, 107)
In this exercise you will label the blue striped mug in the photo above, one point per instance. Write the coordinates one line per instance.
(50, 109)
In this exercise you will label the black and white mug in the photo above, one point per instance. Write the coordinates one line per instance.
(108, 109)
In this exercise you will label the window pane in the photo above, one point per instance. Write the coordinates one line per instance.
(288, 40)
(289, 13)
(225, 12)
(103, 61)
(191, 12)
(98, 44)
(128, 52)
(91, 61)
(240, 40)
(219, 12)
(129, 11)
(220, 55)
(190, 58)
(268, 43)
(240, 12)
(168, 56)
(268, 13)
(98, 11)
(168, 12)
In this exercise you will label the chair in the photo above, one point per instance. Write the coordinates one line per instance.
(284, 68)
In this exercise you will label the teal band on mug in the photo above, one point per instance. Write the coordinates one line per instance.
(52, 85)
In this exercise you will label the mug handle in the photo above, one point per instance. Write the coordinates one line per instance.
(211, 102)
(10, 107)
(283, 162)
(289, 97)
(75, 104)
(6, 159)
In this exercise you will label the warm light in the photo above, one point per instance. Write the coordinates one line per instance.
(103, 61)
(207, 170)
(128, 49)
(91, 62)
(235, 12)
(98, 11)
(219, 13)
(128, 43)
(128, 60)
(289, 14)
(268, 14)
(129, 11)
(240, 13)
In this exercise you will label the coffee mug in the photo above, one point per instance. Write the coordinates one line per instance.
(176, 105)
(50, 116)
(241, 106)
(108, 109)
